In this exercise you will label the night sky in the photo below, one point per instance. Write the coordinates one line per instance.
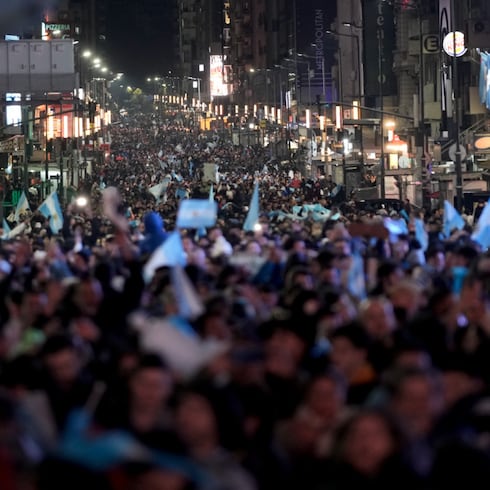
(140, 34)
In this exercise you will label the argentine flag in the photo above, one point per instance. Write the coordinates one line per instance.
(22, 207)
(421, 234)
(197, 213)
(51, 209)
(253, 211)
(452, 219)
(481, 235)
(6, 229)
(158, 190)
(170, 253)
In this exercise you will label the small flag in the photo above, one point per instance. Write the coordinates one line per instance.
(188, 301)
(158, 190)
(357, 280)
(253, 211)
(51, 209)
(481, 235)
(211, 193)
(197, 213)
(22, 207)
(452, 220)
(421, 234)
(396, 227)
(169, 253)
(185, 354)
(6, 229)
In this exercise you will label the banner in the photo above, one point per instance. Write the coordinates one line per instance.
(379, 20)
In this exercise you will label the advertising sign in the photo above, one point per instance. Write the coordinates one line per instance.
(484, 88)
(379, 32)
(454, 45)
(218, 87)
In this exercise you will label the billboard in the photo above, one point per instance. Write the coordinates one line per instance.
(314, 60)
(217, 85)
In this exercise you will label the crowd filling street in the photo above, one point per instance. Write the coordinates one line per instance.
(326, 347)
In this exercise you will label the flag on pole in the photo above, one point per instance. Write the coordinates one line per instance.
(51, 209)
(197, 213)
(169, 253)
(452, 219)
(253, 211)
(481, 235)
(22, 207)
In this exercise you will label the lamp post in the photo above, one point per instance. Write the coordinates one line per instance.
(381, 116)
(457, 163)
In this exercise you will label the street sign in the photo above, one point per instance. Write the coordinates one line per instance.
(452, 152)
(430, 43)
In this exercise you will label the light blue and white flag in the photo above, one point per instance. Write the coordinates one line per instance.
(169, 253)
(356, 275)
(452, 220)
(6, 229)
(481, 235)
(211, 193)
(189, 302)
(253, 211)
(22, 207)
(396, 227)
(197, 213)
(158, 190)
(51, 209)
(421, 234)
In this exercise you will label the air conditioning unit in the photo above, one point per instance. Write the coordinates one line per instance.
(480, 26)
(478, 34)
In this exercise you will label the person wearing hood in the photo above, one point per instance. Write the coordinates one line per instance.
(154, 234)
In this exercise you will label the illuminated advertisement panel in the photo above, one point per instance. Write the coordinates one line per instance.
(13, 112)
(217, 86)
(485, 79)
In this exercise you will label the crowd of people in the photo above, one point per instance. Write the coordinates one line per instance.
(322, 349)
